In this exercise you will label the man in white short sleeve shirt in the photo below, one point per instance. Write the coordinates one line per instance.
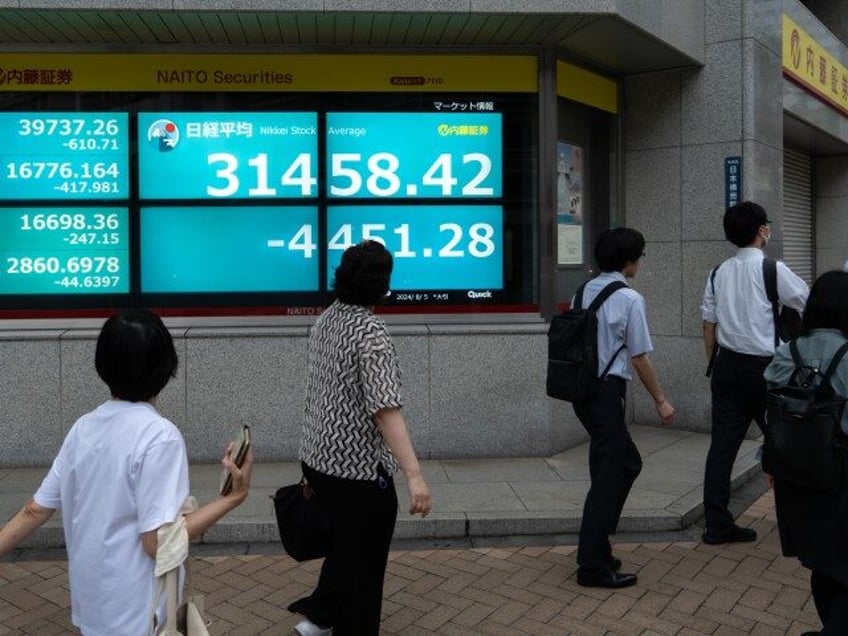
(739, 337)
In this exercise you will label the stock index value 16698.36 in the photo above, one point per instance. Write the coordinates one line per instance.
(70, 250)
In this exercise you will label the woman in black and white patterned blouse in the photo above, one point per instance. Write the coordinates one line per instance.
(354, 438)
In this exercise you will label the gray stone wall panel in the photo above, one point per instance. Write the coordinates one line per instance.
(723, 20)
(658, 280)
(488, 396)
(652, 186)
(31, 397)
(652, 113)
(712, 97)
(242, 380)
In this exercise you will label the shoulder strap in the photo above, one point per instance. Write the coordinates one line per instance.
(712, 278)
(770, 280)
(796, 355)
(578, 297)
(837, 358)
(605, 293)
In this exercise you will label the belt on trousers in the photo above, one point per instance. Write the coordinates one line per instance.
(744, 356)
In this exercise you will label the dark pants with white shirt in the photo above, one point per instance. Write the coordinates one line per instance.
(738, 397)
(362, 513)
(614, 464)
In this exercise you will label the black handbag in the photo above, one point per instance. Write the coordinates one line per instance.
(304, 526)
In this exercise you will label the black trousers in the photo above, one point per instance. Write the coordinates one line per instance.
(831, 599)
(738, 397)
(349, 595)
(614, 464)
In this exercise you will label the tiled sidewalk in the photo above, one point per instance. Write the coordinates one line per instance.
(685, 588)
(471, 497)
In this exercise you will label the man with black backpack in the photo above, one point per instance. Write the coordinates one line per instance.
(614, 461)
(741, 327)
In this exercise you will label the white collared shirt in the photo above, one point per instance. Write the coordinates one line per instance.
(621, 321)
(740, 306)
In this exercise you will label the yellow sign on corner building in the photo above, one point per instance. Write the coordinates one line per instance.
(273, 73)
(810, 65)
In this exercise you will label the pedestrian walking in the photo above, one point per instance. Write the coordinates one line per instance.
(614, 460)
(740, 338)
(813, 522)
(354, 438)
(121, 474)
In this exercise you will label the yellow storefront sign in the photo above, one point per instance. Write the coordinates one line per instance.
(586, 87)
(274, 73)
(809, 64)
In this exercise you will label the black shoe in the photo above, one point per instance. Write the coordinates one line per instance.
(736, 534)
(604, 577)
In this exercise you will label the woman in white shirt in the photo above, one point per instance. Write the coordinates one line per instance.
(122, 472)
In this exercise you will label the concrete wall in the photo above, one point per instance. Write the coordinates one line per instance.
(470, 390)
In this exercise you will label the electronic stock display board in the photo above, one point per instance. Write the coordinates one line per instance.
(82, 161)
(237, 202)
(426, 163)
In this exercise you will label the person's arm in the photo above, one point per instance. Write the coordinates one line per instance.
(792, 291)
(646, 373)
(709, 338)
(203, 518)
(393, 428)
(27, 520)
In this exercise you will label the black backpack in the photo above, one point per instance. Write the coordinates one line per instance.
(804, 444)
(573, 348)
(787, 321)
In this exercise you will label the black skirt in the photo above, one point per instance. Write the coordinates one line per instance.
(813, 527)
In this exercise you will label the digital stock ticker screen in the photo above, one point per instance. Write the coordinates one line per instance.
(241, 207)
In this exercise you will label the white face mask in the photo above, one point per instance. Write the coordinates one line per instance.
(767, 236)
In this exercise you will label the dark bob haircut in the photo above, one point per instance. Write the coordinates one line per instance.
(827, 306)
(362, 278)
(617, 247)
(135, 355)
(743, 221)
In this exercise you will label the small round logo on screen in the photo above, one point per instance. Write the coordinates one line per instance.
(163, 134)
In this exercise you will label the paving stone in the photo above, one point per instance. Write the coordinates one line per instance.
(684, 589)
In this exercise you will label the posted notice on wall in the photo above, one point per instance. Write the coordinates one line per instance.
(569, 204)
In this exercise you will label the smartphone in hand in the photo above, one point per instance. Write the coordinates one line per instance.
(239, 452)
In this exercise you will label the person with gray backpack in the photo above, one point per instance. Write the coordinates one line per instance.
(806, 447)
(622, 337)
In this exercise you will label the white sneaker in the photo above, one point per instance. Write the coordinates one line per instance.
(307, 628)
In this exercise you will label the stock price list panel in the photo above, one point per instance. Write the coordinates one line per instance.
(69, 250)
(428, 186)
(229, 249)
(64, 156)
(228, 155)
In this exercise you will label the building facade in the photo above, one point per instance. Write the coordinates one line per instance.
(212, 160)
